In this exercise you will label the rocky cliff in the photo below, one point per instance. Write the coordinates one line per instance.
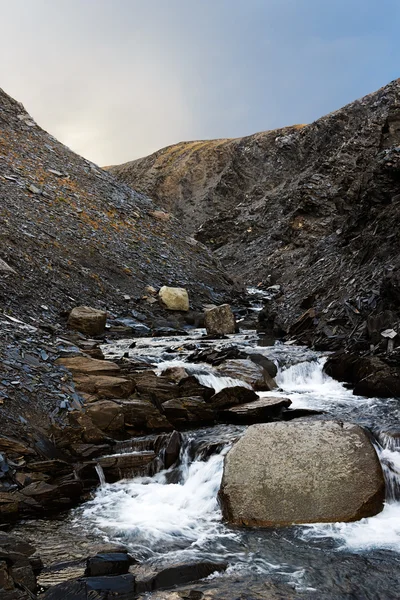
(313, 208)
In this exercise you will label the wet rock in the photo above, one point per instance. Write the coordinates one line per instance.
(94, 588)
(174, 298)
(175, 374)
(246, 370)
(191, 386)
(229, 588)
(152, 386)
(259, 411)
(89, 366)
(264, 362)
(141, 415)
(87, 320)
(231, 396)
(18, 567)
(126, 465)
(301, 472)
(182, 412)
(216, 356)
(172, 449)
(106, 415)
(148, 580)
(369, 375)
(116, 563)
(219, 320)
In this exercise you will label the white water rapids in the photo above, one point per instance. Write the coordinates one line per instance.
(179, 520)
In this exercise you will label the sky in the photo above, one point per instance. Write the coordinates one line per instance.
(116, 80)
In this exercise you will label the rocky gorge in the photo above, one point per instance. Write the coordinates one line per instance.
(153, 444)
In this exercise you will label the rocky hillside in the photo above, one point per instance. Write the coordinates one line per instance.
(71, 234)
(314, 208)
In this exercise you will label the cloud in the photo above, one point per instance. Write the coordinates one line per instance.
(118, 79)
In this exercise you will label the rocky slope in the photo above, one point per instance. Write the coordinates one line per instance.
(72, 235)
(314, 208)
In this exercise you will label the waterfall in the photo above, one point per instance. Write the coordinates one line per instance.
(100, 473)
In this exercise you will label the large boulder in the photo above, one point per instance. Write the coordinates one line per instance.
(219, 320)
(301, 472)
(87, 320)
(174, 298)
(246, 370)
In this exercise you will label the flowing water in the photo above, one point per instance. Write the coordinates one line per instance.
(174, 515)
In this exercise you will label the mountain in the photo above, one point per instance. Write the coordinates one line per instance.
(71, 235)
(313, 208)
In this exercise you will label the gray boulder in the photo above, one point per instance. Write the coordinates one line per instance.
(301, 472)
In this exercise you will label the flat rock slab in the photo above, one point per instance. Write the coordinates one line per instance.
(259, 411)
(248, 371)
(89, 366)
(301, 472)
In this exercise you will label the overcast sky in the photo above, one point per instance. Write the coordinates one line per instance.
(118, 79)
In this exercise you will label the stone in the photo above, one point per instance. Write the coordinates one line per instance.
(174, 298)
(122, 466)
(190, 386)
(303, 471)
(87, 320)
(264, 362)
(152, 386)
(172, 449)
(5, 268)
(175, 373)
(259, 411)
(106, 415)
(89, 366)
(184, 411)
(12, 446)
(141, 415)
(219, 320)
(96, 588)
(246, 370)
(369, 375)
(113, 563)
(148, 579)
(104, 387)
(231, 396)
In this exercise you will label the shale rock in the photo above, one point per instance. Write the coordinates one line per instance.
(246, 370)
(87, 320)
(89, 366)
(106, 415)
(148, 580)
(219, 320)
(232, 396)
(182, 412)
(259, 411)
(141, 415)
(301, 472)
(174, 298)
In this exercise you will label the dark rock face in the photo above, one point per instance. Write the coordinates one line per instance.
(18, 568)
(369, 375)
(314, 208)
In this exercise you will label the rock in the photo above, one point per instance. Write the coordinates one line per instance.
(104, 387)
(301, 472)
(219, 320)
(246, 370)
(172, 449)
(96, 588)
(174, 298)
(191, 386)
(148, 580)
(126, 465)
(141, 415)
(150, 385)
(87, 320)
(231, 396)
(106, 415)
(216, 356)
(115, 563)
(5, 268)
(182, 412)
(259, 411)
(89, 366)
(268, 365)
(175, 374)
(369, 375)
(12, 446)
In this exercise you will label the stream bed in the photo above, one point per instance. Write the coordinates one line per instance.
(174, 516)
